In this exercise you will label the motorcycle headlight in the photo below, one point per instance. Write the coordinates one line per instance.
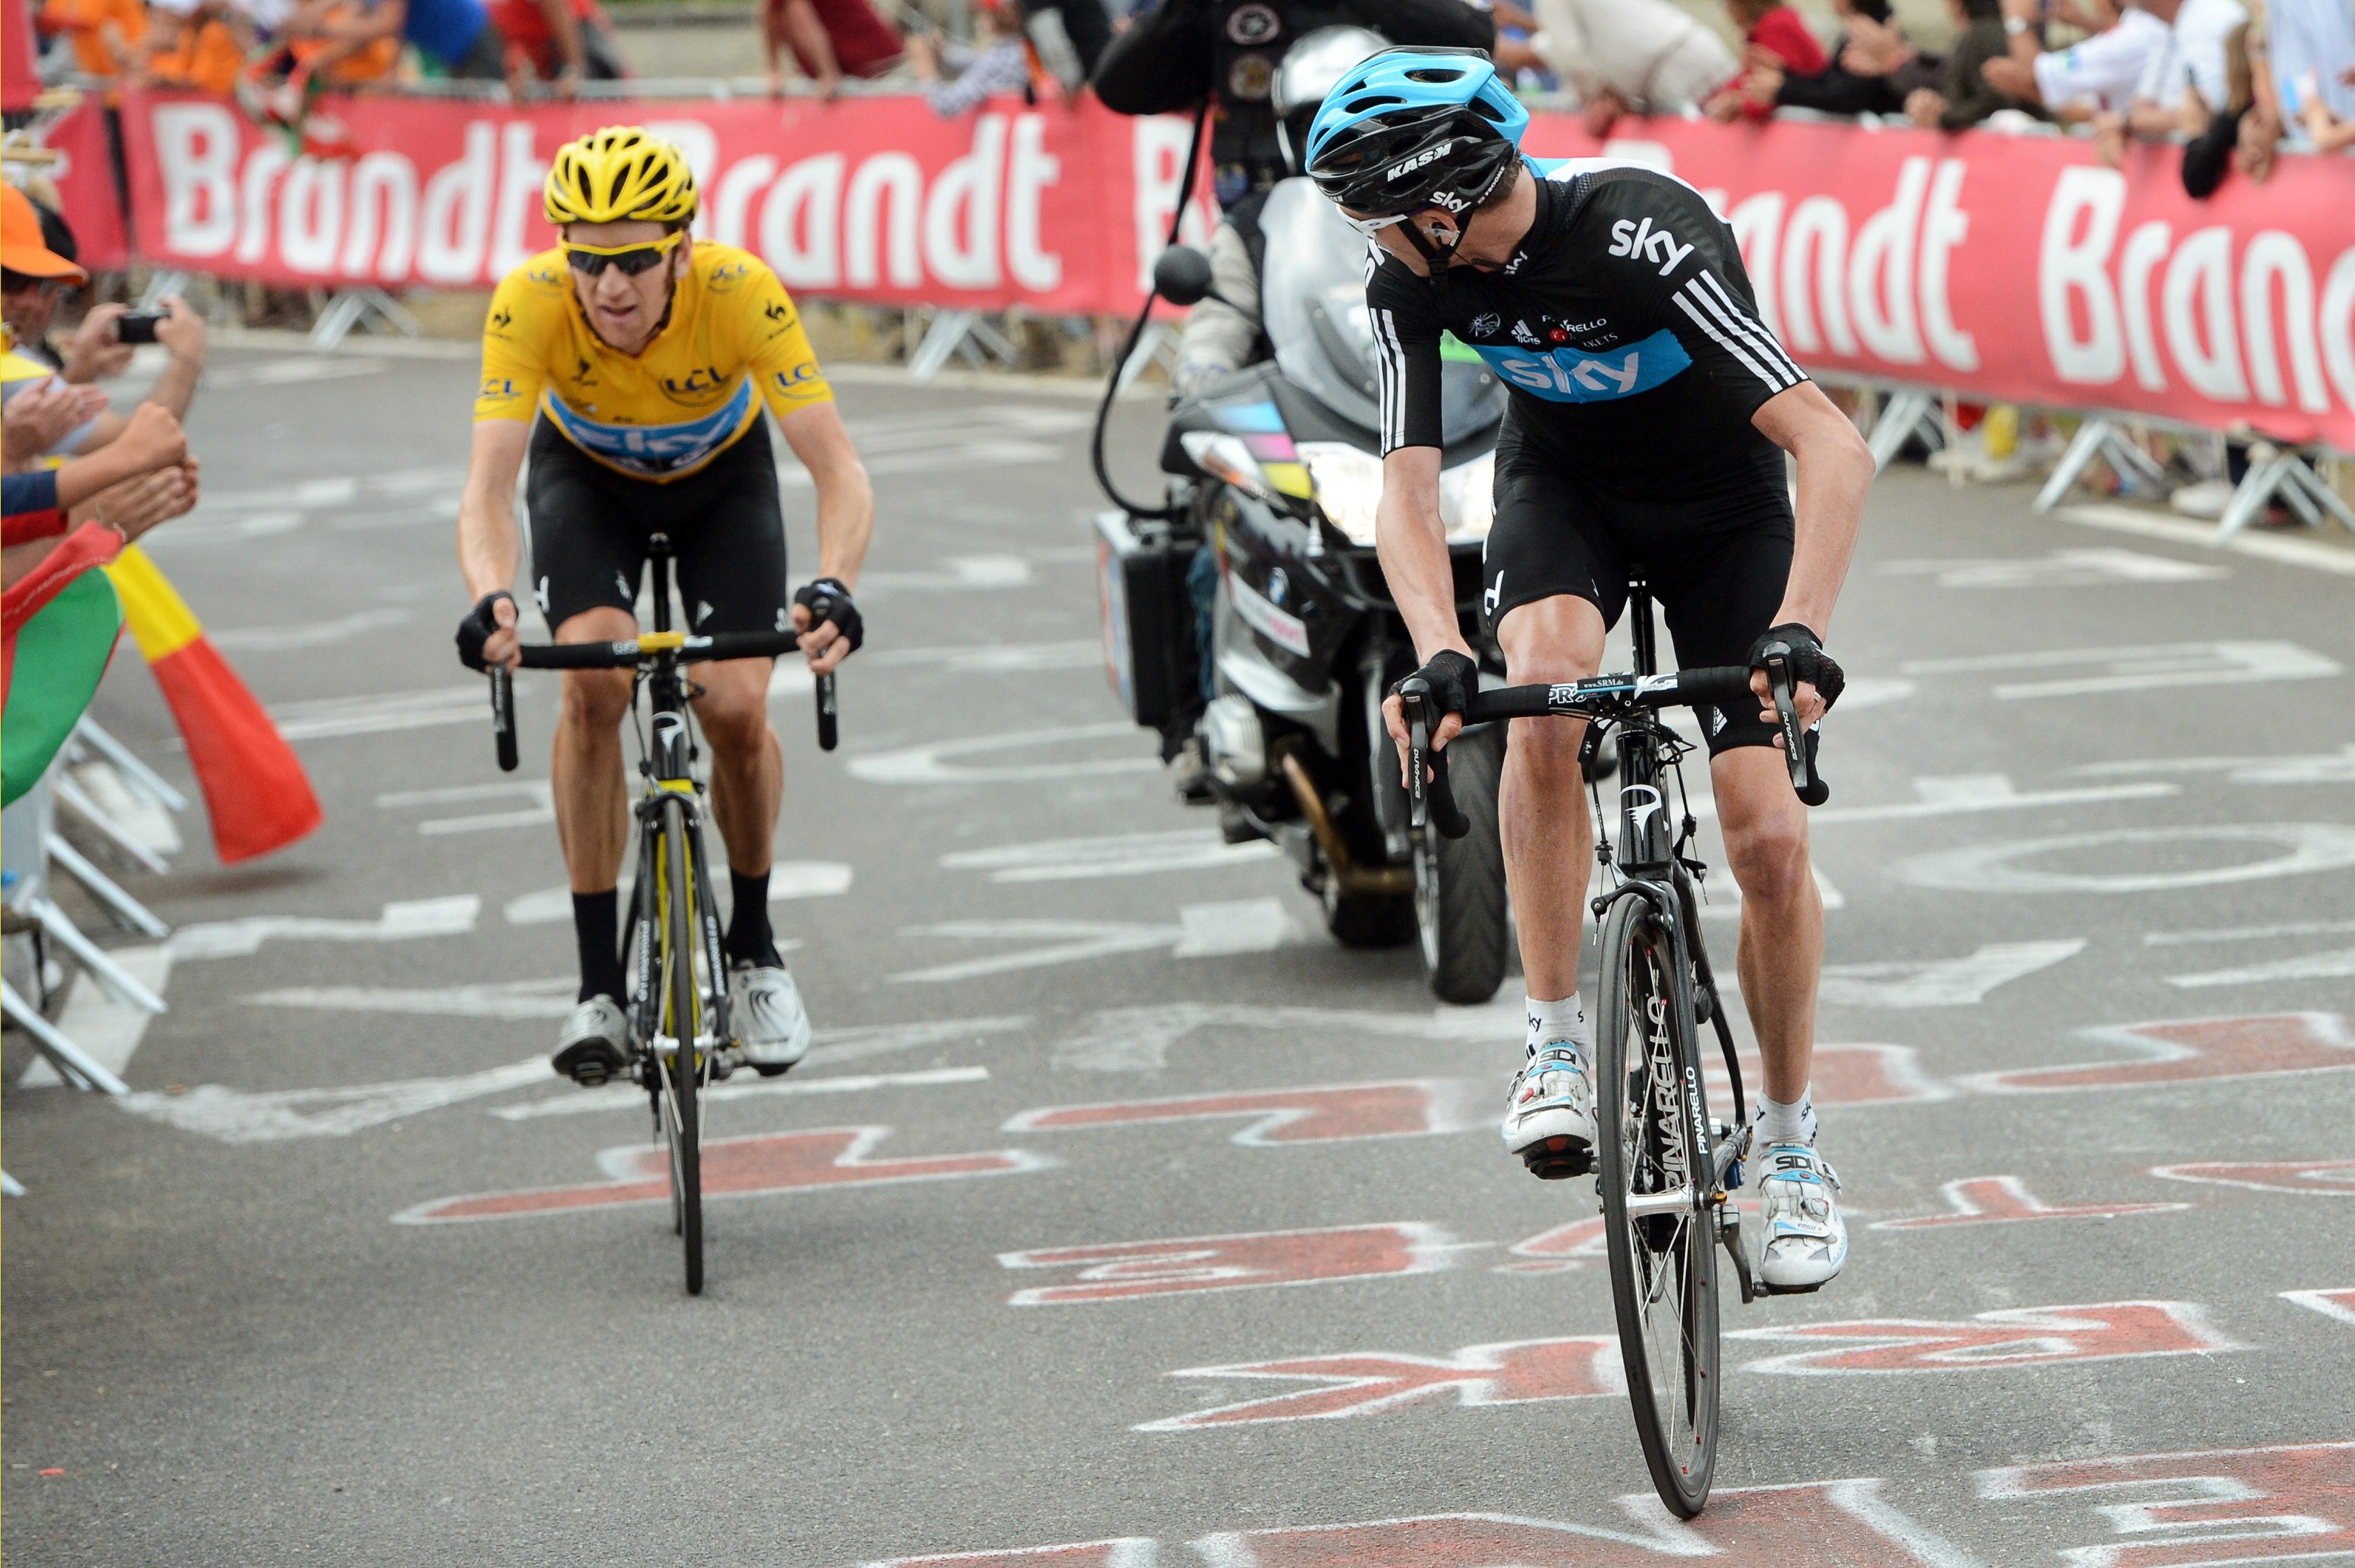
(1224, 456)
(1350, 488)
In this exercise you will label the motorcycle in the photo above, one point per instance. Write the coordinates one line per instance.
(1248, 614)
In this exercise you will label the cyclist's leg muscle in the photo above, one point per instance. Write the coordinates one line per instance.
(748, 765)
(1781, 953)
(585, 768)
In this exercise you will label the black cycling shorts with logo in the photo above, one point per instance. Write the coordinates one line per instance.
(590, 525)
(1718, 568)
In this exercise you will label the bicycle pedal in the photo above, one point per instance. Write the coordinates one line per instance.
(1766, 1289)
(772, 1072)
(1560, 1159)
(592, 1076)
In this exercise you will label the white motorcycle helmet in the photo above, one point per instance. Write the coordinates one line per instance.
(1310, 70)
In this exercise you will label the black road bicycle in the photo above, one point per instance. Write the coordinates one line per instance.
(1662, 1165)
(680, 1039)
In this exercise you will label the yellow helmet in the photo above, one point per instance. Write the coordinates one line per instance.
(618, 175)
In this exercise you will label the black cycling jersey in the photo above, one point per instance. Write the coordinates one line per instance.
(1624, 326)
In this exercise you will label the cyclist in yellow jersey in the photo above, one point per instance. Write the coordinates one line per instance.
(631, 363)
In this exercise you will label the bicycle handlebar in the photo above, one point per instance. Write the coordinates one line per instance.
(1430, 801)
(630, 654)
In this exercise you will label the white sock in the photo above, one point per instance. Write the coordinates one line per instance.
(1551, 1022)
(1793, 1124)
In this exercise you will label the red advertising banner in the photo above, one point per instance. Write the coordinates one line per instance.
(1999, 266)
(19, 84)
(84, 176)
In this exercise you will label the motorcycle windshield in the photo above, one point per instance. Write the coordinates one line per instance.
(1313, 307)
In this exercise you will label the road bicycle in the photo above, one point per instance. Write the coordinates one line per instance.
(1663, 1166)
(681, 1042)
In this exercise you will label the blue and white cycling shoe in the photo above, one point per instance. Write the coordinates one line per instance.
(1550, 1113)
(1805, 1241)
(767, 1006)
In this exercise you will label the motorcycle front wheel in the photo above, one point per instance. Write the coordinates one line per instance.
(1461, 909)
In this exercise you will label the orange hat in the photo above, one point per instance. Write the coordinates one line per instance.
(21, 247)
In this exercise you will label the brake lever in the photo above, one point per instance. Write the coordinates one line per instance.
(823, 692)
(1798, 743)
(1412, 695)
(503, 724)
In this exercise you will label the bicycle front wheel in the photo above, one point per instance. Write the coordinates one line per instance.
(682, 1073)
(1653, 1156)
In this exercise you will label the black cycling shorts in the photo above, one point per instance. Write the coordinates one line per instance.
(588, 529)
(1718, 569)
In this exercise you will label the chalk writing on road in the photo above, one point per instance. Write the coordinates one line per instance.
(1126, 1271)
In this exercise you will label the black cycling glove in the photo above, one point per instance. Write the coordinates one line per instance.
(827, 600)
(476, 629)
(1454, 679)
(1808, 661)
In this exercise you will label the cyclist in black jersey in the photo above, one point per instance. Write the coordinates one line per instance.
(1649, 416)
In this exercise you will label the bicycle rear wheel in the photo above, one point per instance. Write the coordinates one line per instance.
(682, 1076)
(1651, 1142)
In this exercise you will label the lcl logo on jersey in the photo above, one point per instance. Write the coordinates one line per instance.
(1644, 242)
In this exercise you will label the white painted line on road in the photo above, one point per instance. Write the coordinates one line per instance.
(939, 761)
(378, 713)
(2006, 1199)
(1968, 794)
(108, 1029)
(2303, 848)
(550, 999)
(1724, 894)
(238, 1116)
(629, 1097)
(404, 920)
(2249, 933)
(2288, 551)
(1243, 925)
(788, 879)
(1119, 855)
(2338, 1304)
(792, 677)
(2314, 768)
(1203, 931)
(294, 635)
(1942, 982)
(2164, 667)
(964, 573)
(2335, 965)
(2059, 568)
(542, 806)
(297, 371)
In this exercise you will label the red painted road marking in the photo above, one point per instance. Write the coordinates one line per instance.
(2312, 1178)
(2184, 1510)
(2004, 1200)
(2339, 1304)
(732, 1168)
(1560, 1250)
(1824, 1524)
(1326, 1114)
(1520, 1372)
(1844, 1075)
(1130, 1552)
(2190, 1050)
(1118, 1271)
(2019, 1337)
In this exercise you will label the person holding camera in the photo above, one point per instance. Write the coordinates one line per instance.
(34, 278)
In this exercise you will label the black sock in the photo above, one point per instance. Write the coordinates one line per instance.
(747, 920)
(596, 927)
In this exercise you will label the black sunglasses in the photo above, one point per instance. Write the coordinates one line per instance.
(633, 262)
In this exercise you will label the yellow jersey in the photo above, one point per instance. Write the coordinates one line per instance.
(670, 409)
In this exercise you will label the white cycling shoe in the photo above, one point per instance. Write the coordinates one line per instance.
(595, 1043)
(771, 1023)
(1804, 1241)
(1550, 1113)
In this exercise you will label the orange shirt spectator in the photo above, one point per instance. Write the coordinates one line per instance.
(105, 34)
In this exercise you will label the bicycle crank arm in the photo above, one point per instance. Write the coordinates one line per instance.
(1728, 1231)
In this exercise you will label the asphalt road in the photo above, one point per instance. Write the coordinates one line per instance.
(2085, 1060)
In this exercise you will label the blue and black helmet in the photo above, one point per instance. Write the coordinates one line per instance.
(1416, 128)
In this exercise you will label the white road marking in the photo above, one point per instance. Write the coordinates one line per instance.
(1243, 925)
(788, 879)
(1119, 855)
(291, 372)
(405, 920)
(300, 635)
(2288, 549)
(542, 806)
(629, 1097)
(1967, 794)
(238, 1117)
(233, 516)
(108, 1029)
(1942, 982)
(2314, 768)
(792, 677)
(379, 712)
(2334, 965)
(2303, 848)
(963, 573)
(1203, 931)
(2164, 667)
(509, 999)
(2059, 568)
(939, 761)
(1137, 1039)
(1725, 894)
(2249, 933)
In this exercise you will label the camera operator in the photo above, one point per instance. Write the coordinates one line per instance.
(1228, 50)
(34, 278)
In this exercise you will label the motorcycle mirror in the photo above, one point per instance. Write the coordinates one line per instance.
(1182, 275)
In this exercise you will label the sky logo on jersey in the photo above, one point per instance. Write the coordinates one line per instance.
(1641, 241)
(652, 449)
(1567, 376)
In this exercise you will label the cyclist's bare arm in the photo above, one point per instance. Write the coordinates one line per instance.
(846, 515)
(488, 544)
(1412, 540)
(1835, 471)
